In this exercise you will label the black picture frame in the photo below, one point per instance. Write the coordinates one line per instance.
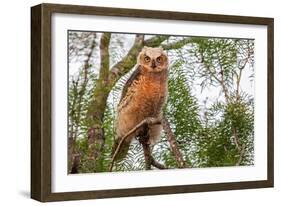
(41, 101)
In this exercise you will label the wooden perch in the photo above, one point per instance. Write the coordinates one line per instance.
(141, 130)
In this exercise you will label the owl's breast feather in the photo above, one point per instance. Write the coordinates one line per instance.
(149, 95)
(145, 97)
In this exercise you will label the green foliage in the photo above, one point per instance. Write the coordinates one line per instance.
(227, 136)
(218, 141)
(219, 132)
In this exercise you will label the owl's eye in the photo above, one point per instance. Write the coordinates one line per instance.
(159, 59)
(146, 59)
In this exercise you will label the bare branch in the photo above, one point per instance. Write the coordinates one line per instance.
(136, 130)
(127, 63)
(155, 41)
(242, 152)
(238, 83)
(146, 152)
(157, 164)
(173, 144)
(224, 87)
(241, 68)
(149, 160)
(177, 45)
(241, 149)
(236, 141)
(144, 141)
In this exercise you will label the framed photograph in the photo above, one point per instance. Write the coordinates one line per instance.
(129, 102)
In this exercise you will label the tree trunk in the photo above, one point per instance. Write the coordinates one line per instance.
(97, 108)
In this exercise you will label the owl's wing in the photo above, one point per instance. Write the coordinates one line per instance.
(135, 75)
(124, 97)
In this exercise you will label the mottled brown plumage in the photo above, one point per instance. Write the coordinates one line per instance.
(143, 96)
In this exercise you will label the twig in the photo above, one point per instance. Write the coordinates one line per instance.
(224, 88)
(238, 84)
(178, 44)
(157, 164)
(236, 141)
(149, 160)
(242, 151)
(240, 74)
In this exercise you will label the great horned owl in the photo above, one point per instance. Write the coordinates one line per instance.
(143, 96)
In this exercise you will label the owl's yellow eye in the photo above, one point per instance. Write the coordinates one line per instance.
(159, 59)
(146, 59)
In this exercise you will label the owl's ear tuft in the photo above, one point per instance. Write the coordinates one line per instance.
(162, 51)
(144, 48)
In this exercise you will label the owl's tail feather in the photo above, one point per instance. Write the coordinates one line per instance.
(123, 150)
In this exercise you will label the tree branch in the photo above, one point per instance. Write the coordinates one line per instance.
(127, 63)
(236, 141)
(104, 55)
(178, 44)
(144, 141)
(155, 41)
(149, 160)
(146, 152)
(240, 71)
(242, 152)
(136, 131)
(224, 88)
(213, 74)
(238, 84)
(157, 164)
(241, 149)
(173, 144)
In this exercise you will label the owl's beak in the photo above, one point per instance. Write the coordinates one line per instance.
(153, 65)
